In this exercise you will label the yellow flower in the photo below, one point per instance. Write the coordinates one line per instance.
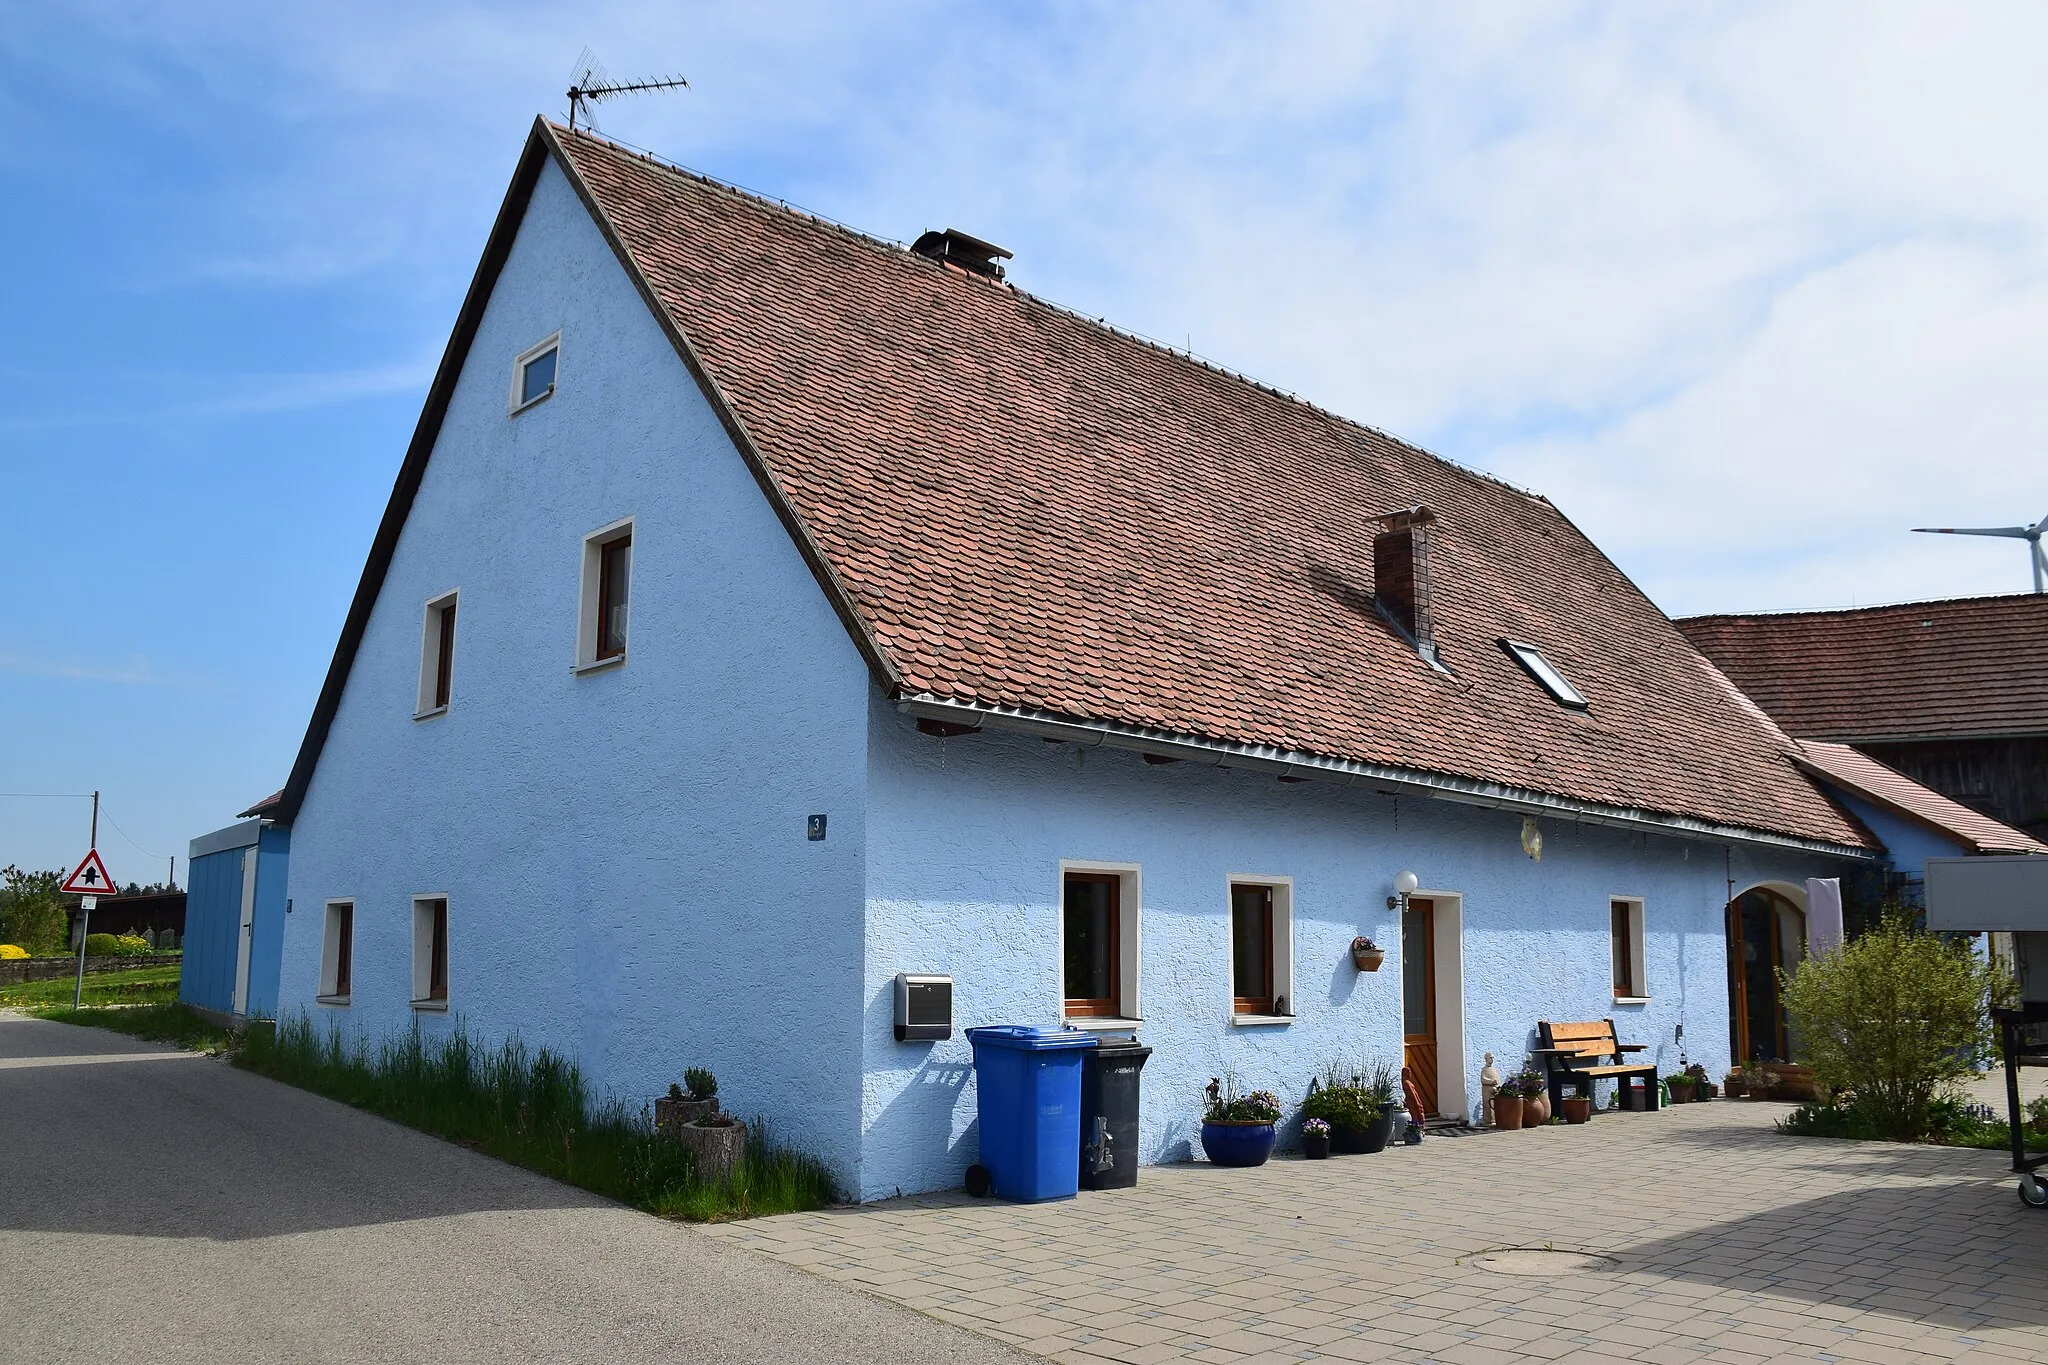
(9, 953)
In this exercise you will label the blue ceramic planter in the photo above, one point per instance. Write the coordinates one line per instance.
(1238, 1144)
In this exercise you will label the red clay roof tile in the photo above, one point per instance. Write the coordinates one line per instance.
(1033, 510)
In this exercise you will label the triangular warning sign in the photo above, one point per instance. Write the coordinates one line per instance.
(90, 878)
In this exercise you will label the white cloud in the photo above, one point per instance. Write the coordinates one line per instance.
(1747, 290)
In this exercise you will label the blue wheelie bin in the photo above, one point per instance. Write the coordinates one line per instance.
(1028, 1091)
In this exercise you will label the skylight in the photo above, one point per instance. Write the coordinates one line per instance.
(1543, 671)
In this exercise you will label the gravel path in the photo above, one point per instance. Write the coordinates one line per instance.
(159, 1206)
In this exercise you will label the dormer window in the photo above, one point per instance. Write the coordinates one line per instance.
(533, 374)
(1544, 672)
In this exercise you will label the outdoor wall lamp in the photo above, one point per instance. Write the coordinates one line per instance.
(1404, 887)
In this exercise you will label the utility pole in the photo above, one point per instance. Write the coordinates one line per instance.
(85, 911)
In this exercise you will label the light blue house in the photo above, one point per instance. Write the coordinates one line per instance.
(764, 610)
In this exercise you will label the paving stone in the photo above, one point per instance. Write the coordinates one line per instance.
(1796, 1249)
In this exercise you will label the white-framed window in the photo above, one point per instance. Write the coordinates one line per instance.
(337, 953)
(1261, 933)
(1099, 943)
(430, 952)
(1625, 947)
(607, 596)
(437, 657)
(534, 373)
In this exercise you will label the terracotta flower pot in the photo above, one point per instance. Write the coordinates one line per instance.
(1367, 955)
(1681, 1093)
(1577, 1108)
(1507, 1111)
(1536, 1110)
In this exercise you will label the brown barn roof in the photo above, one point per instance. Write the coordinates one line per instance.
(1031, 510)
(1862, 775)
(1971, 666)
(1018, 509)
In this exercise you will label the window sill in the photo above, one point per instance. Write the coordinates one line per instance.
(429, 715)
(1631, 999)
(1101, 1023)
(599, 665)
(1255, 1020)
(337, 1000)
(543, 396)
(438, 1006)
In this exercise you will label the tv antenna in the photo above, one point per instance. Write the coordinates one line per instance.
(590, 82)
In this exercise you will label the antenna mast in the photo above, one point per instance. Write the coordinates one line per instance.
(592, 83)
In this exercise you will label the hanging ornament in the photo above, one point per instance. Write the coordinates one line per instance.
(1532, 838)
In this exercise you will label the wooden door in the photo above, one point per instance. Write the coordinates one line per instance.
(1418, 998)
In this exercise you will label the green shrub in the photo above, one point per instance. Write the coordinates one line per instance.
(101, 945)
(1346, 1107)
(1891, 1019)
(32, 914)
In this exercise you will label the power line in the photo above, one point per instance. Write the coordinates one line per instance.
(124, 834)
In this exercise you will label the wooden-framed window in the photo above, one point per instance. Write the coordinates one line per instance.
(1092, 943)
(437, 657)
(1251, 949)
(337, 953)
(603, 621)
(1625, 947)
(430, 952)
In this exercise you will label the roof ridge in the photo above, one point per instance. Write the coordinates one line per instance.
(1185, 355)
(1854, 611)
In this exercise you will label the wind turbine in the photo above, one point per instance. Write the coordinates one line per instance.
(2030, 534)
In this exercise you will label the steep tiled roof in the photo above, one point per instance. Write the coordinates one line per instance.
(1028, 509)
(1919, 670)
(1862, 775)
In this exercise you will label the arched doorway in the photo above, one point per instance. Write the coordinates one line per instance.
(1766, 932)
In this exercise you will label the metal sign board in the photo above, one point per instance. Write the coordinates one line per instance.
(2000, 895)
(89, 878)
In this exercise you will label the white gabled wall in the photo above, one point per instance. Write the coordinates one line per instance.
(623, 851)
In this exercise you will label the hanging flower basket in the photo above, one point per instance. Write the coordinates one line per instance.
(1367, 955)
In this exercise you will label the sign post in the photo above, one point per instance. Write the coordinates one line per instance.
(87, 880)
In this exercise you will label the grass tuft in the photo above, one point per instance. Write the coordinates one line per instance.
(159, 1023)
(532, 1108)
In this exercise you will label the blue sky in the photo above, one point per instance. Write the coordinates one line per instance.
(1746, 291)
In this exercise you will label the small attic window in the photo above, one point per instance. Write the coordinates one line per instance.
(533, 374)
(1545, 672)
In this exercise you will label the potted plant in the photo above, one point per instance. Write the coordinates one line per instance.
(1535, 1092)
(696, 1097)
(1576, 1106)
(717, 1143)
(1702, 1088)
(1315, 1139)
(1237, 1130)
(1367, 955)
(1509, 1105)
(1757, 1080)
(1678, 1088)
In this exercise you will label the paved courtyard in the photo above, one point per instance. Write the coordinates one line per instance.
(1712, 1238)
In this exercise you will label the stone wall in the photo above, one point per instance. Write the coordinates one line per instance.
(50, 968)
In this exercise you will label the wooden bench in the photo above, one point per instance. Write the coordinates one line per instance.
(1576, 1055)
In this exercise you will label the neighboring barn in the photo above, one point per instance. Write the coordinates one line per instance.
(234, 920)
(1951, 693)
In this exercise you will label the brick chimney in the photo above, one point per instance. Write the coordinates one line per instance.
(1400, 575)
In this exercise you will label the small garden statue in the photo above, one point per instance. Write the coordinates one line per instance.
(1489, 1086)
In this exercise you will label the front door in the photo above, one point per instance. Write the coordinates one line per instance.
(1418, 998)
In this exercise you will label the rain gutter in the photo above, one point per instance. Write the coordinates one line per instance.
(1400, 781)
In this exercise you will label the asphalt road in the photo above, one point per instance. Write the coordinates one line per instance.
(157, 1206)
